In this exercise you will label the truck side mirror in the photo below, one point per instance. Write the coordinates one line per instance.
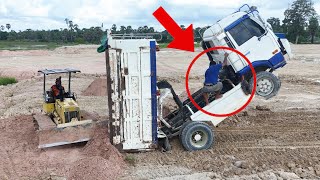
(259, 38)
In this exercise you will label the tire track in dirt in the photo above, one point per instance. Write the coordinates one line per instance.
(291, 136)
(265, 140)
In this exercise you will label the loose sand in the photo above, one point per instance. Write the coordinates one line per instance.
(21, 158)
(97, 88)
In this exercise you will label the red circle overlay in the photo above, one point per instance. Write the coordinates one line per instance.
(252, 93)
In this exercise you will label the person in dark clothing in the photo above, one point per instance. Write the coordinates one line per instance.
(58, 90)
(212, 83)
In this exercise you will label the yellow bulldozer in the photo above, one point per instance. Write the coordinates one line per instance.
(61, 122)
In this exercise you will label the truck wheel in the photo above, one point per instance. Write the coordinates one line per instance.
(182, 127)
(268, 85)
(197, 136)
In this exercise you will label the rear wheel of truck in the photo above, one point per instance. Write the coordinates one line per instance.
(268, 85)
(197, 136)
(182, 127)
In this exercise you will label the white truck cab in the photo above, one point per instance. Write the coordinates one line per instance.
(247, 32)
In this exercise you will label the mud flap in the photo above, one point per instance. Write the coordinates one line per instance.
(164, 144)
(245, 86)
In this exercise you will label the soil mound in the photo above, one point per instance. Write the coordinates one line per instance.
(7, 53)
(19, 151)
(97, 88)
(102, 160)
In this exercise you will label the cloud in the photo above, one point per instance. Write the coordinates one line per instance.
(50, 14)
(14, 8)
(208, 3)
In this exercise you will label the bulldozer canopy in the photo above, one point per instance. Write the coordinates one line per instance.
(58, 71)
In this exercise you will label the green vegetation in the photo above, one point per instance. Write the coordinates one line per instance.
(301, 23)
(30, 45)
(7, 80)
(313, 28)
(164, 45)
(130, 159)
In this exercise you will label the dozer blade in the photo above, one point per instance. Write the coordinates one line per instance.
(51, 135)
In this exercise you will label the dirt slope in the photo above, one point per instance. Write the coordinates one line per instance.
(97, 88)
(21, 159)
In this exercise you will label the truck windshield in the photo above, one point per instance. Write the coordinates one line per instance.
(245, 30)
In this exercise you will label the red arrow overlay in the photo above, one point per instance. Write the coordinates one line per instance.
(182, 39)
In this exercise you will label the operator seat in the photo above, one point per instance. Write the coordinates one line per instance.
(49, 97)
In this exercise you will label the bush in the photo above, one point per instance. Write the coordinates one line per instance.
(130, 159)
(80, 41)
(7, 80)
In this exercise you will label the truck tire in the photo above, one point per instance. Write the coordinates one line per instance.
(197, 136)
(182, 127)
(268, 85)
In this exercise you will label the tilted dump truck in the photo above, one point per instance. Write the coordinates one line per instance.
(135, 97)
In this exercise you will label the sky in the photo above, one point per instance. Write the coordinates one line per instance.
(50, 14)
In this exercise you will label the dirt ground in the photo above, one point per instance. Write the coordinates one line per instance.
(272, 139)
(21, 158)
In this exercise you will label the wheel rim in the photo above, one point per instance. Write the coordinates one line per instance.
(199, 138)
(265, 86)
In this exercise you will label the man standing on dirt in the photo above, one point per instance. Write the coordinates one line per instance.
(58, 89)
(212, 83)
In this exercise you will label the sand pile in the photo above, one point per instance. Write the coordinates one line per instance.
(19, 74)
(75, 50)
(97, 88)
(7, 53)
(67, 50)
(103, 161)
(21, 159)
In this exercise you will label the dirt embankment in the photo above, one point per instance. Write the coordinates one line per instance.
(21, 158)
(25, 64)
(97, 88)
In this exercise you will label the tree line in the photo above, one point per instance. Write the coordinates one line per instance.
(2, 27)
(301, 22)
(301, 25)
